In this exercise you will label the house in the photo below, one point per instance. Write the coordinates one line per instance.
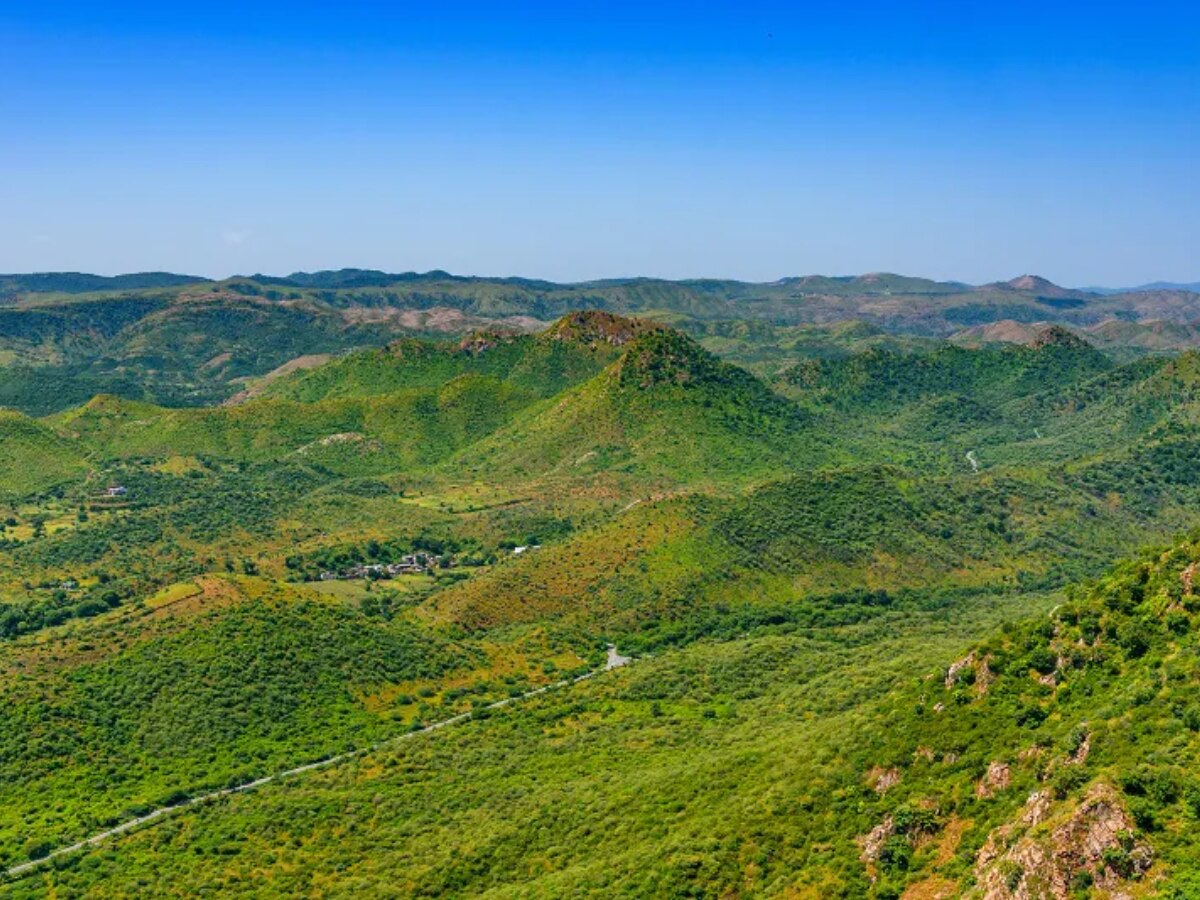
(413, 564)
(117, 490)
(406, 566)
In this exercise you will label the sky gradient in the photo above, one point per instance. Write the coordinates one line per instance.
(750, 140)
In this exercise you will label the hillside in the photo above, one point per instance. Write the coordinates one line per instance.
(569, 351)
(183, 341)
(33, 457)
(80, 283)
(665, 409)
(371, 541)
(1054, 755)
(1053, 358)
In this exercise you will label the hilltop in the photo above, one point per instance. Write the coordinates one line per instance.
(184, 341)
(799, 558)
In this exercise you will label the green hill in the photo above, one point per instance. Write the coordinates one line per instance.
(989, 375)
(33, 457)
(211, 683)
(80, 283)
(665, 409)
(892, 756)
(196, 596)
(571, 350)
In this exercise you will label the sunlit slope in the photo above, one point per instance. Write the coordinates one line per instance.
(667, 410)
(571, 350)
(384, 433)
(33, 457)
(411, 404)
(896, 755)
(671, 567)
(206, 683)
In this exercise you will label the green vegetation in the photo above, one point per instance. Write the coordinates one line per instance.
(33, 457)
(178, 340)
(797, 552)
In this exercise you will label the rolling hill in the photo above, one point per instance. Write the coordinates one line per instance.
(856, 591)
(1052, 756)
(184, 341)
(33, 457)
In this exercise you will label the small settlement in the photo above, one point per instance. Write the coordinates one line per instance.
(410, 564)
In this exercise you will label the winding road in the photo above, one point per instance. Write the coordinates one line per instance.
(613, 661)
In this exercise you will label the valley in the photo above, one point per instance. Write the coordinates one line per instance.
(895, 633)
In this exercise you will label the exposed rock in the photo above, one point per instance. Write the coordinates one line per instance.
(883, 780)
(346, 437)
(482, 341)
(983, 676)
(1057, 336)
(957, 666)
(593, 326)
(1081, 752)
(1037, 283)
(1021, 862)
(872, 842)
(981, 673)
(1036, 807)
(997, 777)
(1188, 577)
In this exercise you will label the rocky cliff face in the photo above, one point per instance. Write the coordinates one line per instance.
(1052, 850)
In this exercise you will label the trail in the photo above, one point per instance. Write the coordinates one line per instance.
(613, 661)
(972, 460)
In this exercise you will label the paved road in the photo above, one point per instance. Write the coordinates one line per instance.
(614, 661)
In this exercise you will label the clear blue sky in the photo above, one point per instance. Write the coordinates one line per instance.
(752, 140)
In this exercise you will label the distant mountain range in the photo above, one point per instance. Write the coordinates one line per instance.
(338, 279)
(1152, 286)
(83, 283)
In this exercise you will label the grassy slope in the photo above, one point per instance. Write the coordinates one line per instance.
(33, 457)
(671, 568)
(666, 409)
(216, 681)
(752, 767)
(789, 556)
(571, 350)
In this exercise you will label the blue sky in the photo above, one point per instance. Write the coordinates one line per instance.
(751, 140)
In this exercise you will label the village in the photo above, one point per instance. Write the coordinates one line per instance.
(409, 564)
(418, 563)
